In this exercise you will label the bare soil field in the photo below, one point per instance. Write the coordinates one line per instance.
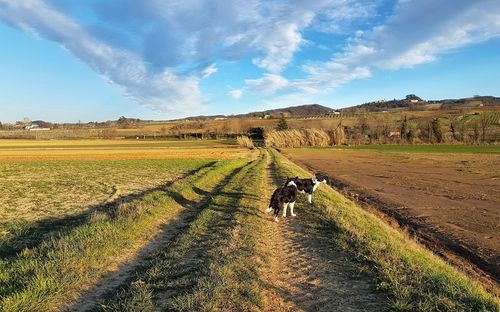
(451, 201)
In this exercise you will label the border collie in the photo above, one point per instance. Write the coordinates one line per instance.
(307, 186)
(282, 198)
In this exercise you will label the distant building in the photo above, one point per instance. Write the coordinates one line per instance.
(31, 126)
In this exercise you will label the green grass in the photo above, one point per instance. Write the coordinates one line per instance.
(415, 279)
(41, 196)
(470, 149)
(53, 274)
(213, 264)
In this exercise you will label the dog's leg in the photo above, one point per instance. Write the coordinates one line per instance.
(276, 212)
(309, 198)
(269, 209)
(292, 204)
(284, 209)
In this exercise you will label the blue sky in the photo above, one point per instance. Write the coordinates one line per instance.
(94, 60)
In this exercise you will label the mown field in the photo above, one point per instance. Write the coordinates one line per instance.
(187, 232)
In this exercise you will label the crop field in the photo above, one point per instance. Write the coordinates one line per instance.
(159, 226)
(447, 195)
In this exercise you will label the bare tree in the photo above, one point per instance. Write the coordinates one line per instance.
(486, 121)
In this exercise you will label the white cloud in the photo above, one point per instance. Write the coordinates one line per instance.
(268, 84)
(208, 71)
(158, 51)
(161, 91)
(418, 32)
(236, 94)
(154, 49)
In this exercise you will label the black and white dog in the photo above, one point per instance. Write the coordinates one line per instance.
(307, 186)
(282, 198)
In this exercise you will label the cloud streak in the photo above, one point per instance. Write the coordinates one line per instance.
(158, 52)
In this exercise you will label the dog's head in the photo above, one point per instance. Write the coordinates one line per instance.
(291, 183)
(290, 179)
(319, 178)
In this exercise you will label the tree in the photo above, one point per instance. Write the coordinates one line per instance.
(486, 121)
(413, 97)
(282, 124)
(410, 136)
(363, 124)
(437, 130)
(403, 128)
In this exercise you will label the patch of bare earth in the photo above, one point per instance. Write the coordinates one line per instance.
(451, 202)
(307, 273)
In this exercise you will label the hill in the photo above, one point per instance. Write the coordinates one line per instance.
(291, 111)
(413, 102)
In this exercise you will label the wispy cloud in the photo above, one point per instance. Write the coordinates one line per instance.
(268, 84)
(162, 90)
(158, 52)
(418, 32)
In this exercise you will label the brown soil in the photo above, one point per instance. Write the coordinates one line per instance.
(307, 273)
(451, 202)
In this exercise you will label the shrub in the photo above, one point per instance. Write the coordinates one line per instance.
(282, 124)
(245, 141)
(437, 129)
(304, 137)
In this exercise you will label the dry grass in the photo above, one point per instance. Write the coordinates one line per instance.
(28, 150)
(304, 137)
(244, 141)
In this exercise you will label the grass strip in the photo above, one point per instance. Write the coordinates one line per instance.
(415, 278)
(213, 265)
(425, 148)
(56, 272)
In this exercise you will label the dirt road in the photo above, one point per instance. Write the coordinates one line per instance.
(196, 263)
(307, 272)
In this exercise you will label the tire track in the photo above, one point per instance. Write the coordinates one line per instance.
(133, 263)
(171, 268)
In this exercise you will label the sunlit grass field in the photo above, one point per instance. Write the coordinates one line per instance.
(43, 183)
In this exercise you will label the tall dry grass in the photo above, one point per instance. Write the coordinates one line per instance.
(305, 137)
(245, 141)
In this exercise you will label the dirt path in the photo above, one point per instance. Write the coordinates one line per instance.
(307, 273)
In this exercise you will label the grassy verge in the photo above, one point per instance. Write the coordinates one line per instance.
(415, 279)
(56, 272)
(213, 264)
(428, 148)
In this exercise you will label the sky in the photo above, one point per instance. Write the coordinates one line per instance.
(97, 60)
